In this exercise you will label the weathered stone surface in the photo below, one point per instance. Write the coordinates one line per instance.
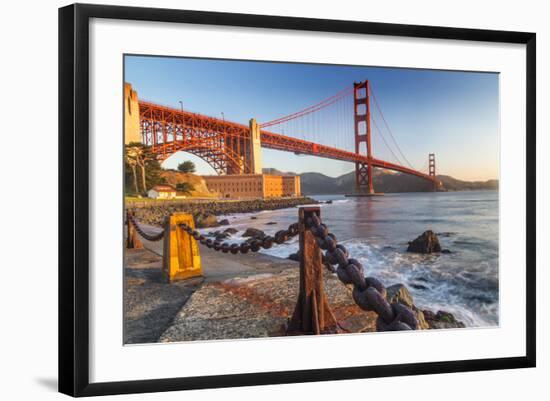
(231, 230)
(205, 220)
(399, 293)
(429, 315)
(258, 306)
(222, 236)
(223, 222)
(422, 323)
(150, 303)
(254, 233)
(294, 256)
(442, 320)
(153, 213)
(446, 325)
(425, 243)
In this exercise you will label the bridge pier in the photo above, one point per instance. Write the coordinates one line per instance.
(363, 179)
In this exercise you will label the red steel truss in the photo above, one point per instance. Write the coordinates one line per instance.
(225, 145)
(222, 144)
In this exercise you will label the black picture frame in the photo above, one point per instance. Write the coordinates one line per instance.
(74, 198)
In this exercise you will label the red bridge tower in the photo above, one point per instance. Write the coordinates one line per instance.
(431, 169)
(363, 171)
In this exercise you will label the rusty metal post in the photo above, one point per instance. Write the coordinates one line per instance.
(132, 239)
(312, 314)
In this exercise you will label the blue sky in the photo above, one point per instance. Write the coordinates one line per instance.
(452, 114)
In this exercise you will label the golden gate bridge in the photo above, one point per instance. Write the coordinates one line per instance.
(339, 127)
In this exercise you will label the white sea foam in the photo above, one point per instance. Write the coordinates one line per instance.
(464, 282)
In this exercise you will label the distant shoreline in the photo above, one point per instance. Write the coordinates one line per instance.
(408, 192)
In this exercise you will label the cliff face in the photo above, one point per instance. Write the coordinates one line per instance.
(384, 181)
(173, 177)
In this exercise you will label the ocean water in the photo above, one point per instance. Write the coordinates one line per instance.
(376, 230)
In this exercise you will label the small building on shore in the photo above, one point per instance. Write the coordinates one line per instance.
(253, 185)
(162, 192)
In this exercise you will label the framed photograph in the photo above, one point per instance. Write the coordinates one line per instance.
(250, 199)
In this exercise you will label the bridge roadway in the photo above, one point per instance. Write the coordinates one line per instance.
(271, 140)
(204, 134)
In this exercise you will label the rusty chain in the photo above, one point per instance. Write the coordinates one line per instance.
(148, 237)
(253, 245)
(368, 292)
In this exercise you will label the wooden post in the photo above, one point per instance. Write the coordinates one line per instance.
(132, 238)
(312, 314)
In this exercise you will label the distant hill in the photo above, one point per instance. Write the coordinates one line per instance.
(274, 171)
(387, 182)
(452, 184)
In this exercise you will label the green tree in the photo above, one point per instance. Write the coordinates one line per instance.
(130, 175)
(187, 167)
(140, 157)
(185, 187)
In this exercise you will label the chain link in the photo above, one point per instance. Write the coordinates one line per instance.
(368, 292)
(253, 245)
(148, 237)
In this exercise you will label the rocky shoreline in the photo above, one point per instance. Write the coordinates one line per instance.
(205, 212)
(242, 296)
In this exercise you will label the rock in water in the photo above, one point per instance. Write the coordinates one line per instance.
(399, 293)
(254, 233)
(222, 236)
(442, 320)
(206, 220)
(425, 243)
(231, 230)
(224, 222)
(295, 256)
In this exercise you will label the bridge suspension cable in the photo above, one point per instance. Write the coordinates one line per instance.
(388, 127)
(381, 135)
(424, 167)
(310, 109)
(326, 123)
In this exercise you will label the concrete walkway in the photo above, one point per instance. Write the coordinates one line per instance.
(240, 296)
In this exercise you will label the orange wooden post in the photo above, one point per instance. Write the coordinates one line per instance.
(132, 238)
(312, 314)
